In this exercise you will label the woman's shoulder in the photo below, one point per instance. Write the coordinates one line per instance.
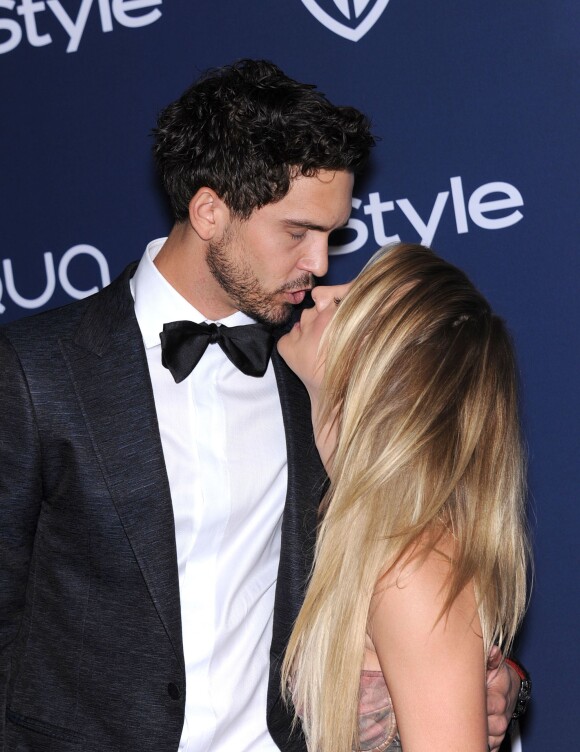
(418, 574)
(410, 603)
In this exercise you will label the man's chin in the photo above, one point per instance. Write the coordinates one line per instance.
(275, 316)
(280, 316)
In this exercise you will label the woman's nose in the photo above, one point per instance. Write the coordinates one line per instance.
(321, 296)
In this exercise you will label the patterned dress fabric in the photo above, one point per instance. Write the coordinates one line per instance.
(377, 724)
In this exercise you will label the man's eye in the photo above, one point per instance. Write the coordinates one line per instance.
(297, 236)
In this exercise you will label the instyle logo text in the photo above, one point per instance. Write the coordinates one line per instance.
(39, 23)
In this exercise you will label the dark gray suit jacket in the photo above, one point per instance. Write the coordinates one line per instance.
(91, 655)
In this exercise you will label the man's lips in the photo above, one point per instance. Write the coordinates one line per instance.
(296, 297)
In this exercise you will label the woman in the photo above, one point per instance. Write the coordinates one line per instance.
(420, 564)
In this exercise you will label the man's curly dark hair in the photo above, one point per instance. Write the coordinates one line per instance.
(247, 130)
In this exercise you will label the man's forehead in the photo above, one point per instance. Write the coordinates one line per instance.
(322, 200)
(322, 178)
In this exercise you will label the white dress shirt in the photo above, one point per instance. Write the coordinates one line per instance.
(225, 452)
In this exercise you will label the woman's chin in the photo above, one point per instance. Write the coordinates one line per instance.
(287, 351)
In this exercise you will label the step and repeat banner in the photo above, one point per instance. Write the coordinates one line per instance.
(476, 108)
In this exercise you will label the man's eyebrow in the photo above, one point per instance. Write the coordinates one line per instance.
(310, 225)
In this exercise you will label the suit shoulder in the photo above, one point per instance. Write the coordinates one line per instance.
(47, 323)
(37, 333)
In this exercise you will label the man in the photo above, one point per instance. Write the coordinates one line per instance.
(158, 521)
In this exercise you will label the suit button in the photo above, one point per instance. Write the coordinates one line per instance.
(173, 691)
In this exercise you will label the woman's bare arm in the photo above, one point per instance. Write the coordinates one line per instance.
(434, 669)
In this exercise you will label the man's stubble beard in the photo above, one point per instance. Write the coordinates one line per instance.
(244, 289)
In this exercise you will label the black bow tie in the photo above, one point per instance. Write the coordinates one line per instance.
(184, 342)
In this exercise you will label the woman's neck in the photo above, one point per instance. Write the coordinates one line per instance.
(324, 433)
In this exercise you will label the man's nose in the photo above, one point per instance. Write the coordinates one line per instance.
(315, 259)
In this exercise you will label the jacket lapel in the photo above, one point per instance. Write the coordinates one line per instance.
(109, 370)
(306, 482)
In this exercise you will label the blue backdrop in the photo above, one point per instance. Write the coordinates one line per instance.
(476, 107)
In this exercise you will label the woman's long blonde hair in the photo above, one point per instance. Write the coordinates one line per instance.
(421, 381)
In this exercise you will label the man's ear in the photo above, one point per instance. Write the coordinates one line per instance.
(208, 215)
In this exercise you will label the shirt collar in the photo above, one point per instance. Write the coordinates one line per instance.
(157, 302)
